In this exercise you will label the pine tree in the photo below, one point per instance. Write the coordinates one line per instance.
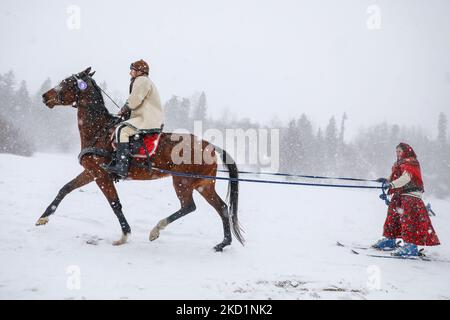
(177, 114)
(14, 109)
(38, 105)
(341, 133)
(45, 86)
(7, 94)
(289, 148)
(331, 145)
(306, 144)
(171, 111)
(23, 106)
(183, 115)
(442, 129)
(440, 161)
(41, 115)
(199, 112)
(319, 161)
(394, 136)
(12, 140)
(345, 153)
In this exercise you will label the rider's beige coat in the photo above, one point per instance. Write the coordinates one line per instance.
(145, 105)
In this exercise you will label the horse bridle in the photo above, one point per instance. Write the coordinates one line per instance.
(81, 86)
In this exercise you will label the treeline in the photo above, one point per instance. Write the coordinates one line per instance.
(30, 125)
(27, 126)
(310, 150)
(371, 154)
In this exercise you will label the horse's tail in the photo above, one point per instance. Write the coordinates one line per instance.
(232, 194)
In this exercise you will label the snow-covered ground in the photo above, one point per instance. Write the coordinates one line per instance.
(290, 251)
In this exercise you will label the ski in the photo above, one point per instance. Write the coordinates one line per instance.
(421, 257)
(355, 249)
(359, 247)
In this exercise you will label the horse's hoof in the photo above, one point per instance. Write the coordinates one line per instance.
(220, 246)
(42, 221)
(154, 235)
(121, 241)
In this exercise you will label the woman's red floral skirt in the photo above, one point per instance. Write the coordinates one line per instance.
(408, 219)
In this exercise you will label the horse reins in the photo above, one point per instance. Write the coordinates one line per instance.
(81, 86)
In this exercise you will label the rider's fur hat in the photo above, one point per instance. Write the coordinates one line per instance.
(140, 65)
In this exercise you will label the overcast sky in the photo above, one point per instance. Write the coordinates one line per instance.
(260, 58)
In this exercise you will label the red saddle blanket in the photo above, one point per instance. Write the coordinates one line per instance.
(151, 141)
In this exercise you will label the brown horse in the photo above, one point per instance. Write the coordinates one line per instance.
(95, 122)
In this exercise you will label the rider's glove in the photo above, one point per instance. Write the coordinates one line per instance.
(124, 111)
(386, 185)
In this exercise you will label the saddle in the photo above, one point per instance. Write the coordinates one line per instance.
(143, 145)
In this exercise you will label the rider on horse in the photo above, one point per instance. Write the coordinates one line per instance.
(142, 110)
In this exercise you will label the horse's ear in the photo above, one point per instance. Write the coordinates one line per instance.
(86, 72)
(91, 74)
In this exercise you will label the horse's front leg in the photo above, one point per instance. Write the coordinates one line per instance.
(82, 179)
(106, 184)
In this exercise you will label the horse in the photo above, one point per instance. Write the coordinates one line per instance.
(95, 124)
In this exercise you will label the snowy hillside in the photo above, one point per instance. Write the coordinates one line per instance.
(290, 252)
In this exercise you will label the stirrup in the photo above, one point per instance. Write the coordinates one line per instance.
(112, 168)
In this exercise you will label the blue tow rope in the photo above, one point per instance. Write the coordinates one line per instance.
(302, 176)
(200, 176)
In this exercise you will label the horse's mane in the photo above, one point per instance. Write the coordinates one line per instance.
(100, 102)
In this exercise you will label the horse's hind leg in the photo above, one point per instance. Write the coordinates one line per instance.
(184, 190)
(82, 179)
(209, 193)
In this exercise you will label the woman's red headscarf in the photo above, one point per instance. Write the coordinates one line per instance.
(408, 152)
(408, 162)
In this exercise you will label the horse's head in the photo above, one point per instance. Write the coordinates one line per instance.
(68, 91)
